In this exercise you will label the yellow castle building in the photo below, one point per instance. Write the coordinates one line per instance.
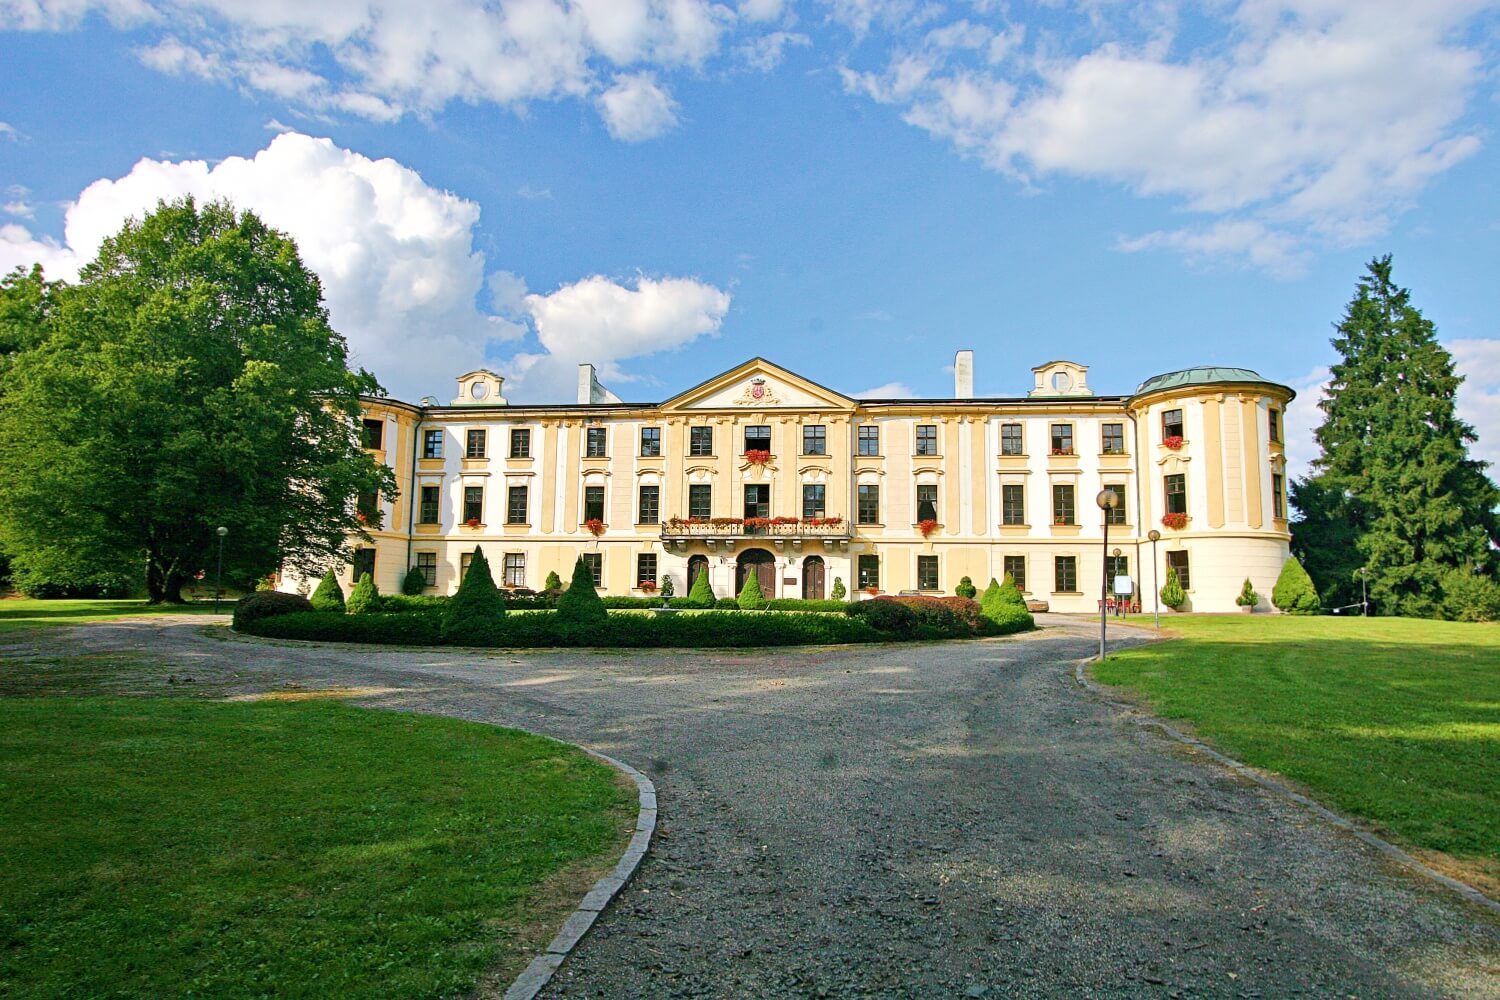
(759, 470)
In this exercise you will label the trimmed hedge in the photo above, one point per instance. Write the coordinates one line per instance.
(801, 604)
(268, 604)
(550, 630)
(890, 617)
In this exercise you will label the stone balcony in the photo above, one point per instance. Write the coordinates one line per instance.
(829, 532)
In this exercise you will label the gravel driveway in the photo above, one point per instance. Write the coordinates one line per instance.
(946, 820)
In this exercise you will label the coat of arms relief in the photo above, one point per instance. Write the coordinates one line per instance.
(757, 393)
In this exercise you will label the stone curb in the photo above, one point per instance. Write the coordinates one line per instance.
(1396, 854)
(536, 975)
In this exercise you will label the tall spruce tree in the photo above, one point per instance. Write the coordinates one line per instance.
(1394, 491)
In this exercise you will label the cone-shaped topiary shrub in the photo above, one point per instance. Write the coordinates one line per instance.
(700, 593)
(751, 598)
(1004, 605)
(1248, 597)
(1294, 592)
(839, 591)
(1172, 594)
(364, 598)
(473, 615)
(554, 582)
(966, 588)
(414, 582)
(329, 596)
(579, 605)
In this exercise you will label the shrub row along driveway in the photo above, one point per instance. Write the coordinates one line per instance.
(937, 820)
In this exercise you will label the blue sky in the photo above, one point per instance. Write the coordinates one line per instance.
(852, 188)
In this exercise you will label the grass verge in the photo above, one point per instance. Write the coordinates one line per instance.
(23, 612)
(182, 847)
(1396, 721)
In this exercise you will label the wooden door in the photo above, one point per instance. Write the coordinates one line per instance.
(812, 578)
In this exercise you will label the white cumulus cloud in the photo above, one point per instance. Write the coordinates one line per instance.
(601, 321)
(395, 255)
(891, 390)
(636, 108)
(381, 60)
(1287, 123)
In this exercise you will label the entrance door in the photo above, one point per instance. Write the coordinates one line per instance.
(696, 565)
(812, 578)
(762, 564)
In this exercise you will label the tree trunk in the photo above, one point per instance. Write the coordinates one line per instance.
(163, 587)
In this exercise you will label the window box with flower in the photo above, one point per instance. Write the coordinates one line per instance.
(757, 456)
(1173, 442)
(1174, 521)
(927, 526)
(594, 526)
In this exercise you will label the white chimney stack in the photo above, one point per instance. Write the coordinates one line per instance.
(590, 390)
(963, 375)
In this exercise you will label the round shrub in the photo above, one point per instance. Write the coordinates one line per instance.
(554, 582)
(839, 591)
(267, 604)
(1011, 618)
(966, 588)
(329, 596)
(1294, 592)
(890, 617)
(414, 582)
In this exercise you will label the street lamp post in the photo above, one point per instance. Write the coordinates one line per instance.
(1155, 537)
(1107, 501)
(219, 576)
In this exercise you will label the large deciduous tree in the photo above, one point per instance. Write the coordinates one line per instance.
(1394, 492)
(188, 380)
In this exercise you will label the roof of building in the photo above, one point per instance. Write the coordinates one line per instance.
(1204, 375)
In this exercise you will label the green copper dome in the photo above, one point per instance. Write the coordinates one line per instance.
(1199, 376)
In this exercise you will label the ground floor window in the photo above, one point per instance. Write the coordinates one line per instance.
(1015, 566)
(645, 569)
(595, 563)
(927, 573)
(1066, 569)
(463, 565)
(869, 572)
(1179, 561)
(1118, 566)
(515, 569)
(427, 566)
(364, 562)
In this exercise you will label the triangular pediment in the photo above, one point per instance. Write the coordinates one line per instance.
(758, 384)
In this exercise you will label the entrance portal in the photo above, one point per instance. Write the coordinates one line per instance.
(762, 564)
(812, 578)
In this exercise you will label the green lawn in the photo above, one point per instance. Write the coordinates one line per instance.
(23, 612)
(183, 847)
(1393, 720)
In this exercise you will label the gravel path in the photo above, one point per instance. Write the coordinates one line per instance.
(952, 820)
